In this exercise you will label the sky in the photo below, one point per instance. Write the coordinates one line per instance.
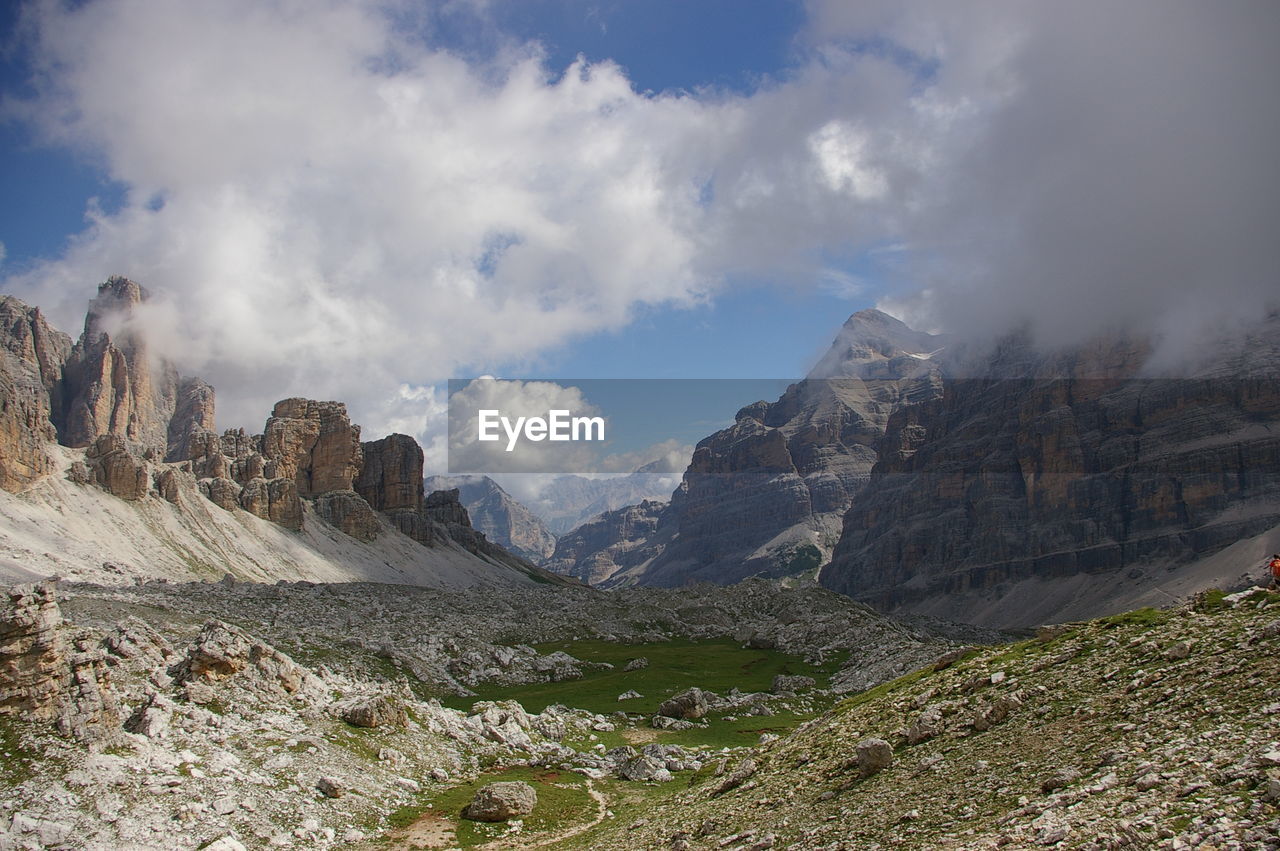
(357, 200)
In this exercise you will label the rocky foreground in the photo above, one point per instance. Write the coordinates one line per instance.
(1146, 730)
(301, 715)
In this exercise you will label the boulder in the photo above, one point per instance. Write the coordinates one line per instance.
(501, 802)
(330, 787)
(379, 711)
(787, 683)
(644, 769)
(687, 704)
(874, 756)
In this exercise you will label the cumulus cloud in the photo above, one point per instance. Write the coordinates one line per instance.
(1103, 165)
(336, 206)
(508, 449)
(665, 457)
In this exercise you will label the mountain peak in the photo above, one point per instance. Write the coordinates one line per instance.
(871, 337)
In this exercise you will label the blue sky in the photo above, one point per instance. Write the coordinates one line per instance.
(661, 45)
(357, 199)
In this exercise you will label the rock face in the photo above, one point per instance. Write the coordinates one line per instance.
(192, 416)
(31, 358)
(391, 478)
(350, 513)
(765, 497)
(116, 385)
(271, 499)
(500, 517)
(315, 444)
(611, 543)
(501, 802)
(46, 678)
(1064, 468)
(109, 383)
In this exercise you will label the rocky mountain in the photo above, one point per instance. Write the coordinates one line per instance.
(568, 501)
(1071, 484)
(499, 517)
(614, 542)
(111, 467)
(765, 497)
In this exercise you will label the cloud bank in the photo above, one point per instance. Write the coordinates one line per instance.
(336, 206)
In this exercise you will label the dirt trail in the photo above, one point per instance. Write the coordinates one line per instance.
(602, 807)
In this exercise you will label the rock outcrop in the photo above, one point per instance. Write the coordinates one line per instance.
(115, 469)
(1063, 467)
(500, 517)
(45, 677)
(315, 444)
(271, 499)
(146, 433)
(31, 358)
(391, 478)
(349, 512)
(33, 666)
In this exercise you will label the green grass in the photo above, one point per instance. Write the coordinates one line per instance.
(1147, 617)
(562, 802)
(674, 666)
(744, 731)
(18, 763)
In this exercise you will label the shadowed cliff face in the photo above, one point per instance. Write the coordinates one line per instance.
(1069, 465)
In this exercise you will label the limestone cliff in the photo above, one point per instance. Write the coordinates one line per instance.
(142, 434)
(1065, 472)
(612, 543)
(31, 358)
(499, 516)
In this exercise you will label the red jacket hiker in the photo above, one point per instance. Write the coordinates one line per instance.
(1275, 570)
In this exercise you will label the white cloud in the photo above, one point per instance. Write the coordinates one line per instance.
(337, 209)
(514, 401)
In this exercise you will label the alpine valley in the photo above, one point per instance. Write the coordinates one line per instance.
(939, 594)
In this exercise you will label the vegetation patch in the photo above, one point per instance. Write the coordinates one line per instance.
(563, 801)
(718, 665)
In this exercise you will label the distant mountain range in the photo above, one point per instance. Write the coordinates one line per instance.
(562, 505)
